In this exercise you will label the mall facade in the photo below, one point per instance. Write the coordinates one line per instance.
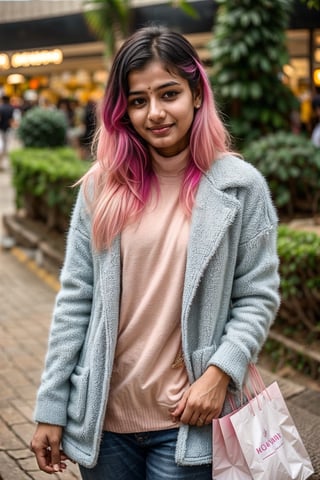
(47, 48)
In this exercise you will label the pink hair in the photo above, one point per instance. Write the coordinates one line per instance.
(122, 173)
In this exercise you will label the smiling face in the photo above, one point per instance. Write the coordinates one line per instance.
(161, 108)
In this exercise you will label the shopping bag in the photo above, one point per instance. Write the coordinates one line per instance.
(228, 461)
(269, 438)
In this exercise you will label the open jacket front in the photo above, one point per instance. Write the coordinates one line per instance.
(230, 299)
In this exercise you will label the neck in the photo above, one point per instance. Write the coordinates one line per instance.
(173, 165)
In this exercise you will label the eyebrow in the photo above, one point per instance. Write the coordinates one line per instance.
(164, 85)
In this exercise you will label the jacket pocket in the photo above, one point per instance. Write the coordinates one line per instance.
(78, 393)
(200, 359)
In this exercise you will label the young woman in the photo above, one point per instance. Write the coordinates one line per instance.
(170, 279)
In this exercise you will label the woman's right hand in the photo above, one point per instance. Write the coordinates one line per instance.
(45, 444)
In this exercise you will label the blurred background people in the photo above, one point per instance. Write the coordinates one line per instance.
(315, 136)
(6, 120)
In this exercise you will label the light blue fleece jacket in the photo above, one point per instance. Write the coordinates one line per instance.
(230, 299)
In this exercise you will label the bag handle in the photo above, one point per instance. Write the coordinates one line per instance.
(254, 386)
(255, 378)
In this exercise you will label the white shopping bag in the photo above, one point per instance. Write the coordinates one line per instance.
(228, 462)
(269, 438)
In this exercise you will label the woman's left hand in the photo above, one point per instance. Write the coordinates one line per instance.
(203, 400)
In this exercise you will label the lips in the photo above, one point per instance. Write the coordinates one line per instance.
(161, 129)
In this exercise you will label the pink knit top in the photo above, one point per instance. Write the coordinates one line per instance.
(149, 376)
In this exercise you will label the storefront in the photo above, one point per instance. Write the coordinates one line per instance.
(68, 71)
(51, 58)
(59, 56)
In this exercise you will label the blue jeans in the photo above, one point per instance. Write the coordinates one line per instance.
(142, 456)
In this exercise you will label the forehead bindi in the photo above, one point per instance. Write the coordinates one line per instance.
(152, 78)
(150, 90)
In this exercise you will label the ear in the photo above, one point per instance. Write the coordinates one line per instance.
(197, 97)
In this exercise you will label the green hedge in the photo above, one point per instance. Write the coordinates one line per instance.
(291, 165)
(299, 314)
(43, 180)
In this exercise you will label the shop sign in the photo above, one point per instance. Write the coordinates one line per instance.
(30, 58)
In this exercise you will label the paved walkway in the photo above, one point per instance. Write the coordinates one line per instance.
(26, 302)
(26, 299)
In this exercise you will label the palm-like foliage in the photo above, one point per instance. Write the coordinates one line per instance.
(110, 20)
(186, 7)
(312, 3)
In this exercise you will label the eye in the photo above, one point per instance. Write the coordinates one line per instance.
(137, 102)
(170, 94)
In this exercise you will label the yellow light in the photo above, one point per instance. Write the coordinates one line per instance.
(4, 61)
(317, 55)
(288, 70)
(36, 58)
(316, 77)
(15, 79)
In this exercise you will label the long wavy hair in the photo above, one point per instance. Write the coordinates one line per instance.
(122, 173)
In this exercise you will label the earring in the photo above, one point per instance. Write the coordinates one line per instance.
(198, 105)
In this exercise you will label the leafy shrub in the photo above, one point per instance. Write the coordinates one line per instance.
(295, 336)
(43, 180)
(299, 254)
(40, 127)
(248, 53)
(291, 165)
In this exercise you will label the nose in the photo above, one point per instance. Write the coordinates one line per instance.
(156, 111)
